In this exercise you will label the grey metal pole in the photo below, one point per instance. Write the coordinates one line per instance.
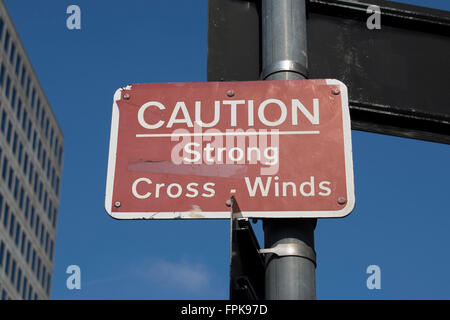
(290, 277)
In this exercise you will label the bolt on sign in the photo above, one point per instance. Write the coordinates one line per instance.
(180, 150)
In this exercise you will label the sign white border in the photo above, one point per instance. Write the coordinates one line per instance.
(349, 206)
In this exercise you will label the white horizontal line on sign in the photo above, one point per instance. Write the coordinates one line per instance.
(207, 134)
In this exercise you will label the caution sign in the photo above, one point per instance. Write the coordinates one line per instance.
(180, 150)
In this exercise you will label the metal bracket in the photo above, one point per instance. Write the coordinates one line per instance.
(284, 66)
(292, 249)
(246, 264)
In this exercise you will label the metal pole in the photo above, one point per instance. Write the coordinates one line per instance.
(290, 277)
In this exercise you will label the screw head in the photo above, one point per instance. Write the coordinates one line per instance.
(230, 93)
(117, 204)
(335, 91)
(342, 200)
(126, 96)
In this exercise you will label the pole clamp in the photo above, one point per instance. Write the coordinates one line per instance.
(284, 66)
(297, 249)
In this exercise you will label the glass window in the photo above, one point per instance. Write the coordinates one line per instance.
(28, 250)
(47, 289)
(40, 192)
(30, 291)
(32, 217)
(12, 53)
(38, 272)
(19, 155)
(39, 149)
(33, 260)
(50, 209)
(46, 242)
(5, 168)
(25, 164)
(41, 239)
(24, 288)
(51, 138)
(56, 147)
(36, 229)
(22, 244)
(54, 218)
(3, 123)
(13, 270)
(14, 146)
(57, 186)
(28, 87)
(2, 25)
(44, 273)
(25, 117)
(53, 177)
(47, 123)
(12, 224)
(19, 109)
(60, 155)
(19, 279)
(8, 257)
(22, 78)
(48, 168)
(2, 75)
(17, 236)
(13, 98)
(27, 207)
(38, 108)
(18, 63)
(30, 126)
(35, 182)
(10, 178)
(44, 158)
(42, 118)
(2, 252)
(6, 215)
(30, 173)
(16, 188)
(51, 250)
(6, 43)
(8, 132)
(8, 86)
(33, 95)
(34, 139)
(45, 200)
(22, 192)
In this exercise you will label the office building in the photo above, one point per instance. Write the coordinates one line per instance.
(31, 151)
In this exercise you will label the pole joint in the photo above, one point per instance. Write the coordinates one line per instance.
(284, 66)
(297, 249)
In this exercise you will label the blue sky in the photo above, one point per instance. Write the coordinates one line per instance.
(400, 222)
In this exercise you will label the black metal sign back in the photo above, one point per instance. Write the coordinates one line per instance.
(397, 76)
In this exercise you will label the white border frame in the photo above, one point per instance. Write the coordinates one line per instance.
(349, 206)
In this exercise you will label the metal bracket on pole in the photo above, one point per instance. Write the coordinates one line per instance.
(235, 210)
(246, 264)
(284, 66)
(292, 249)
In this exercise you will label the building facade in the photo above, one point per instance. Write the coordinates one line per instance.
(31, 152)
